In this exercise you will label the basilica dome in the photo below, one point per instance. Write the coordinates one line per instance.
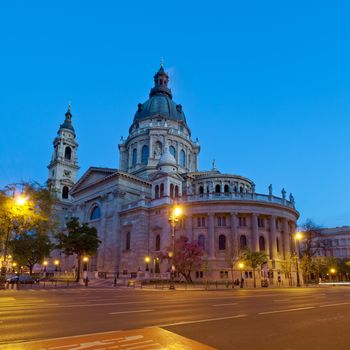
(160, 102)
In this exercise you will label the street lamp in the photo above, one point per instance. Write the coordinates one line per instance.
(147, 261)
(56, 263)
(332, 271)
(297, 237)
(13, 204)
(14, 265)
(85, 260)
(45, 263)
(241, 266)
(173, 219)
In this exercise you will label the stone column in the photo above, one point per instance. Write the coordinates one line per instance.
(189, 224)
(286, 238)
(234, 240)
(211, 235)
(255, 233)
(272, 238)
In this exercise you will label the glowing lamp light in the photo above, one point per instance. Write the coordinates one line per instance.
(21, 200)
(241, 265)
(298, 236)
(177, 211)
(147, 259)
(56, 262)
(332, 270)
(85, 259)
(170, 254)
(45, 263)
(14, 264)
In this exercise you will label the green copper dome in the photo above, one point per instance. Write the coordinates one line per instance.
(160, 101)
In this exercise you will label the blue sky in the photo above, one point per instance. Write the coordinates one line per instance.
(264, 85)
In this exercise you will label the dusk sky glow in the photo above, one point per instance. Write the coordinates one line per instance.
(265, 87)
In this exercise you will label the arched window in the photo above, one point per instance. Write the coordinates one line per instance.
(134, 156)
(68, 153)
(182, 158)
(144, 154)
(241, 189)
(222, 242)
(127, 241)
(65, 191)
(226, 189)
(171, 191)
(243, 242)
(201, 190)
(161, 190)
(157, 243)
(95, 213)
(277, 245)
(217, 189)
(172, 151)
(176, 191)
(156, 192)
(201, 241)
(262, 247)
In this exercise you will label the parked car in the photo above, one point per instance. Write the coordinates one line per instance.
(23, 279)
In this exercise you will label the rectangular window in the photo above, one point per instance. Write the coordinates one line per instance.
(242, 221)
(261, 222)
(203, 221)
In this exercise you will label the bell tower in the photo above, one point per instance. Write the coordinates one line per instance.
(63, 167)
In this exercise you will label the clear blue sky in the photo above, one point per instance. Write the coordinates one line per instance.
(265, 86)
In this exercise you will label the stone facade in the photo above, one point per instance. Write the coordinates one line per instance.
(130, 206)
(333, 242)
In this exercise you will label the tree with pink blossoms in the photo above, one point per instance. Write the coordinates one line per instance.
(188, 256)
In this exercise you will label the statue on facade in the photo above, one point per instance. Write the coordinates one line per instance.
(270, 190)
(283, 193)
(213, 164)
(253, 187)
(291, 198)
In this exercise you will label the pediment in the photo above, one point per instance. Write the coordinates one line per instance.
(92, 176)
(161, 174)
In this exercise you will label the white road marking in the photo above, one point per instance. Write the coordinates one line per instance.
(129, 312)
(224, 304)
(286, 310)
(338, 304)
(199, 321)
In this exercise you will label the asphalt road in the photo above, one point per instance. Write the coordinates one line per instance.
(305, 318)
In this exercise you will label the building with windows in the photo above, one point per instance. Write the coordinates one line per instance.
(158, 167)
(333, 242)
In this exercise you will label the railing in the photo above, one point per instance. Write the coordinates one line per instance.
(210, 197)
(237, 196)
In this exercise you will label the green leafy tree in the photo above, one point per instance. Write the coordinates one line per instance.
(254, 260)
(310, 247)
(78, 239)
(24, 208)
(30, 249)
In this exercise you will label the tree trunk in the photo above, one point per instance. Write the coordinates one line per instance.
(254, 278)
(31, 269)
(77, 277)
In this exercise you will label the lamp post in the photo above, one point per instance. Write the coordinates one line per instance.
(297, 237)
(56, 263)
(173, 219)
(15, 203)
(45, 263)
(147, 261)
(14, 265)
(332, 271)
(241, 266)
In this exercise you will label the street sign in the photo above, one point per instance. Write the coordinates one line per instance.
(138, 339)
